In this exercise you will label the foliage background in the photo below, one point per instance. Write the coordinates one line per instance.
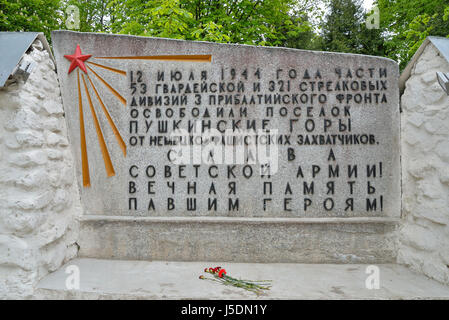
(328, 25)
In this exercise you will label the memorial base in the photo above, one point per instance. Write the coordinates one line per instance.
(266, 240)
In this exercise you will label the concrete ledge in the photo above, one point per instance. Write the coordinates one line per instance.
(113, 279)
(299, 240)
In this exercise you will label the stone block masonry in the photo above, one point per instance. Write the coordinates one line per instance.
(39, 201)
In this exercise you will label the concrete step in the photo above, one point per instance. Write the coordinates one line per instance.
(120, 279)
(267, 240)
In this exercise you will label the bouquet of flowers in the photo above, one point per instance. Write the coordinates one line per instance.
(219, 275)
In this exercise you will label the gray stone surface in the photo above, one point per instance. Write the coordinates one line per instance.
(111, 196)
(109, 279)
(39, 200)
(303, 240)
(425, 168)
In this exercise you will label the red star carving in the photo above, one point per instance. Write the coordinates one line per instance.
(77, 59)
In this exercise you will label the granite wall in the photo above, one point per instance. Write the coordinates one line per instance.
(424, 234)
(39, 201)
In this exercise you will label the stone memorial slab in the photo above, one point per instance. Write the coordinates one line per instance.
(164, 130)
(137, 106)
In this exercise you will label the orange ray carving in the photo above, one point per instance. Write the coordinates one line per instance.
(84, 160)
(174, 57)
(104, 149)
(114, 92)
(111, 122)
(108, 68)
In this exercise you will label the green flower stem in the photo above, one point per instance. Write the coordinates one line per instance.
(256, 286)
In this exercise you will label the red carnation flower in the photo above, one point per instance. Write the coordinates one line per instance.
(221, 273)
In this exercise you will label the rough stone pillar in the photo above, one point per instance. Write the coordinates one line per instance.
(39, 200)
(424, 235)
